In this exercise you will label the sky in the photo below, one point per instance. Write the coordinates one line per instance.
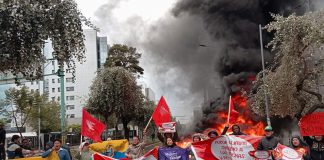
(144, 13)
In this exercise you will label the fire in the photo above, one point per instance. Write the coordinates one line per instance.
(185, 143)
(247, 124)
(245, 120)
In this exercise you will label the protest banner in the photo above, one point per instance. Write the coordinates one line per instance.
(282, 152)
(175, 153)
(226, 148)
(169, 127)
(260, 155)
(312, 124)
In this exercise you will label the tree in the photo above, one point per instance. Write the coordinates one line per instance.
(49, 116)
(146, 113)
(22, 106)
(26, 24)
(292, 82)
(74, 128)
(19, 103)
(114, 91)
(124, 56)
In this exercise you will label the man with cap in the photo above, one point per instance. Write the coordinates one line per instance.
(269, 142)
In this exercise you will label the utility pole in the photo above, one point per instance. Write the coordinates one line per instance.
(61, 75)
(263, 76)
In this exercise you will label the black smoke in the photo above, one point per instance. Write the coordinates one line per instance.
(236, 24)
(201, 46)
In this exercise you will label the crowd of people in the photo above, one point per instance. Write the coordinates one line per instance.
(312, 147)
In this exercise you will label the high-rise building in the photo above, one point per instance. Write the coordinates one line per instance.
(76, 90)
(149, 94)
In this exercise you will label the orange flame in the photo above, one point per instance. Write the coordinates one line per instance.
(185, 143)
(245, 121)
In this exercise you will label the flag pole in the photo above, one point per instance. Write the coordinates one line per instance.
(148, 123)
(81, 144)
(229, 109)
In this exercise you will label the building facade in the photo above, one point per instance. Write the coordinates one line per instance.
(76, 89)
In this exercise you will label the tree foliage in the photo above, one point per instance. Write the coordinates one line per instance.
(22, 106)
(26, 24)
(292, 82)
(114, 91)
(126, 57)
(49, 116)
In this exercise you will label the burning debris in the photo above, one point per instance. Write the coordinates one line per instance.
(235, 23)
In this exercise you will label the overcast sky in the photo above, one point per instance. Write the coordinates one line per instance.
(145, 12)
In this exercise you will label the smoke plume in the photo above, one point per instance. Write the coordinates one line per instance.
(201, 48)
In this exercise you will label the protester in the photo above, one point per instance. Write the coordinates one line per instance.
(269, 142)
(170, 143)
(13, 149)
(298, 145)
(196, 138)
(2, 142)
(135, 150)
(172, 151)
(57, 151)
(66, 147)
(236, 130)
(214, 134)
(162, 136)
(109, 151)
(85, 153)
(316, 145)
(25, 144)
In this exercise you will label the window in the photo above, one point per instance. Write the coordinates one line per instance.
(69, 107)
(69, 88)
(37, 82)
(69, 98)
(69, 79)
(53, 98)
(53, 90)
(72, 115)
(32, 82)
(53, 63)
(58, 89)
(68, 70)
(53, 71)
(37, 90)
(53, 80)
(58, 98)
(58, 80)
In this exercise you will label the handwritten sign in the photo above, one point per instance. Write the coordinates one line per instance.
(312, 124)
(285, 153)
(169, 127)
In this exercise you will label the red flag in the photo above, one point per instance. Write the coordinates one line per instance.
(312, 124)
(151, 155)
(91, 127)
(161, 113)
(226, 147)
(232, 113)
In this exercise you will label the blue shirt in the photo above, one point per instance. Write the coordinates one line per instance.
(62, 153)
